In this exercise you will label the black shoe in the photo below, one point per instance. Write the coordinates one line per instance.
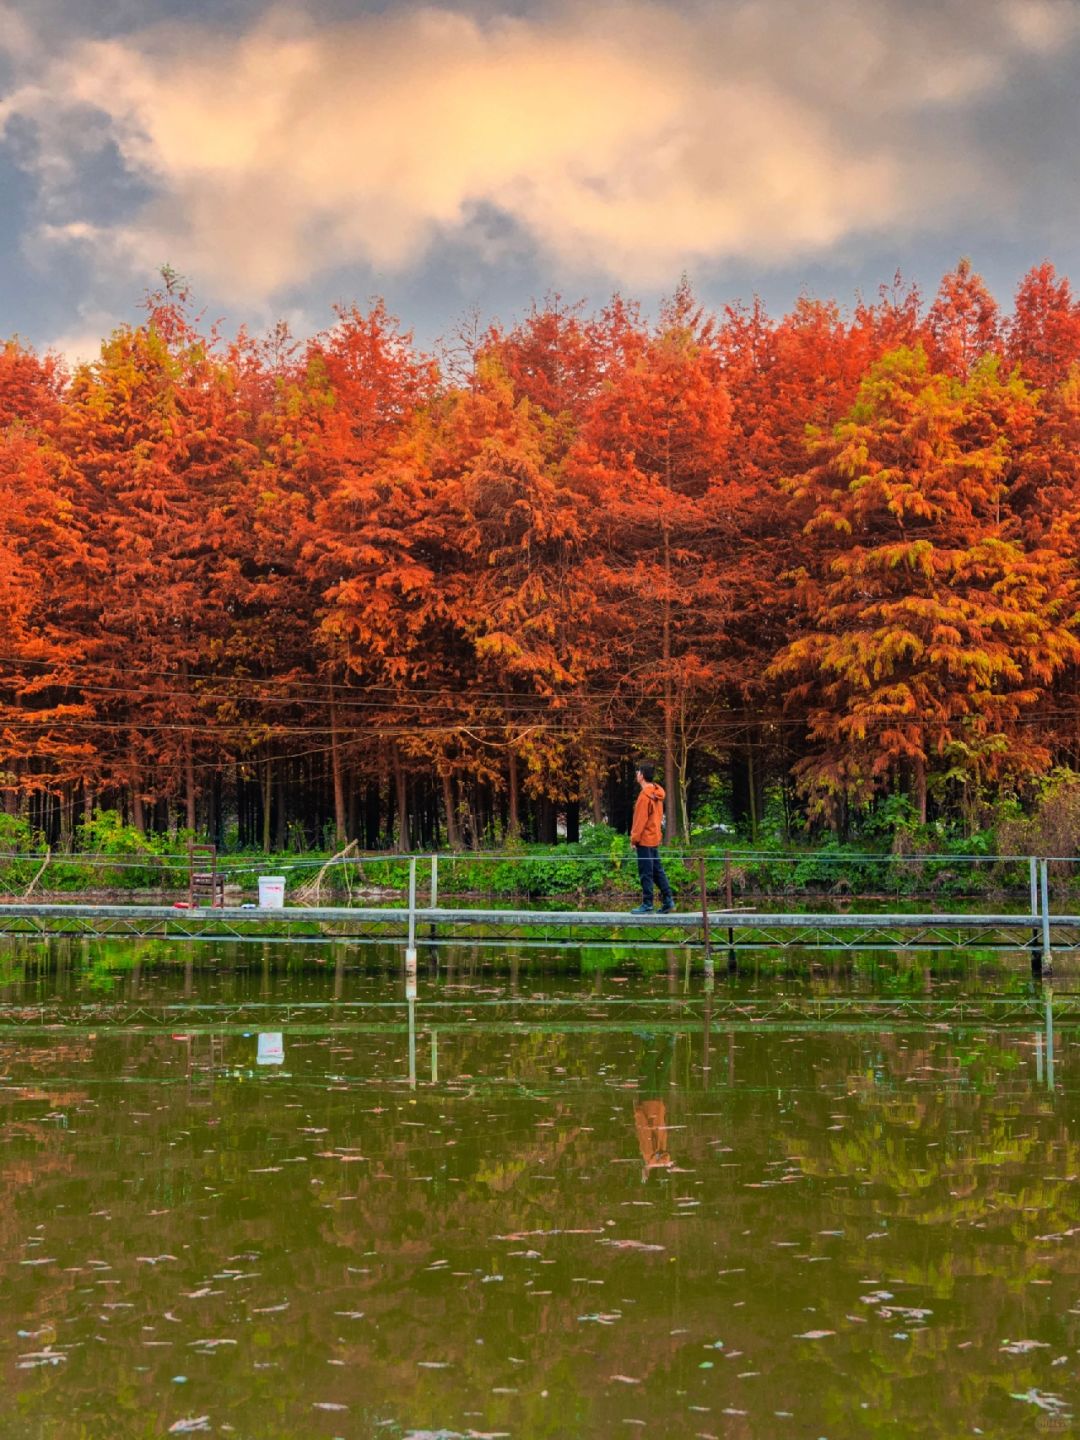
(642, 910)
(667, 907)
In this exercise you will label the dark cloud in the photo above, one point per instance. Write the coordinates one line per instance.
(468, 156)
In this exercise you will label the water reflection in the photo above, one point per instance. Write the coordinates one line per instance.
(650, 1108)
(270, 1049)
(856, 1220)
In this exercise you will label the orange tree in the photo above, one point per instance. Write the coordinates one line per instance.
(46, 573)
(928, 627)
(451, 597)
(652, 458)
(153, 430)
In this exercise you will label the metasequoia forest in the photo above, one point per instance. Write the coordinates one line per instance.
(342, 589)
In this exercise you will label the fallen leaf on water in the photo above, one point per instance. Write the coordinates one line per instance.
(1041, 1398)
(34, 1358)
(629, 1245)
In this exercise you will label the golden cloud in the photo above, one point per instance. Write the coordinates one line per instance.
(632, 141)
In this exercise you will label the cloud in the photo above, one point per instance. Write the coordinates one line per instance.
(629, 139)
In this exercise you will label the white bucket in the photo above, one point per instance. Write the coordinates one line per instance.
(271, 892)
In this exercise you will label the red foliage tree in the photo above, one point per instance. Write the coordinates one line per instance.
(928, 631)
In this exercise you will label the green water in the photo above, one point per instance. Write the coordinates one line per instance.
(554, 1204)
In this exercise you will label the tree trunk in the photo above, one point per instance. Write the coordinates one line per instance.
(67, 817)
(281, 828)
(920, 789)
(546, 821)
(189, 761)
(596, 795)
(189, 780)
(453, 832)
(335, 763)
(267, 793)
(372, 814)
(513, 824)
(670, 805)
(683, 775)
(402, 795)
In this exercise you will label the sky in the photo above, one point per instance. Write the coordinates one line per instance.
(456, 158)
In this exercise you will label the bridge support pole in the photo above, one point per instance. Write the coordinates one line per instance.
(704, 914)
(434, 892)
(1033, 880)
(410, 950)
(1044, 886)
(1049, 1038)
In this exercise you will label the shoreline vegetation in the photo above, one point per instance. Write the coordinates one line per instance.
(599, 866)
(822, 569)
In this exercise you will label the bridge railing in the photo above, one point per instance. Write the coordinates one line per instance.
(587, 877)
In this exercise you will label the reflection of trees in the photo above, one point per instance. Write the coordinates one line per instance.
(529, 1136)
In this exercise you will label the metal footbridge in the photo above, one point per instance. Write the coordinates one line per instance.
(1038, 934)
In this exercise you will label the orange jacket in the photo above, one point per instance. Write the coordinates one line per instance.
(646, 828)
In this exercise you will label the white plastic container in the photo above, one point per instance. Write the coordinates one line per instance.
(271, 892)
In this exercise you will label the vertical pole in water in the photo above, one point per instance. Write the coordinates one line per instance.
(434, 892)
(730, 905)
(410, 950)
(410, 1002)
(434, 1056)
(1044, 886)
(704, 913)
(1049, 1038)
(1033, 878)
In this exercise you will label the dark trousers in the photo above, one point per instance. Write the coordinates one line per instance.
(651, 872)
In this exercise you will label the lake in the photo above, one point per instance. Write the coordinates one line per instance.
(256, 1192)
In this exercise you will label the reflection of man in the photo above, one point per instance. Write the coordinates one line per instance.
(650, 1108)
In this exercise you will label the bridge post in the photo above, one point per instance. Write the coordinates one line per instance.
(434, 892)
(1049, 1038)
(1033, 878)
(704, 912)
(410, 950)
(1044, 886)
(411, 1003)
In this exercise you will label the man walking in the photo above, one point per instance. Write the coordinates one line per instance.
(646, 832)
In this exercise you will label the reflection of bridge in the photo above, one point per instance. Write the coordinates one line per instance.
(528, 1015)
(204, 1027)
(730, 929)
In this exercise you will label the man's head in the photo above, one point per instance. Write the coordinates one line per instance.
(645, 771)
